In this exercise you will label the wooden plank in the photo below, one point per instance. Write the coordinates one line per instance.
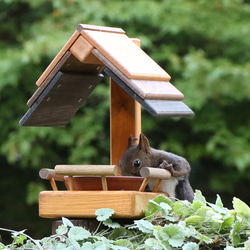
(57, 58)
(83, 204)
(61, 99)
(146, 89)
(168, 108)
(126, 55)
(81, 27)
(75, 170)
(68, 63)
(81, 49)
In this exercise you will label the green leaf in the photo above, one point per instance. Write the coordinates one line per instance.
(218, 209)
(205, 212)
(232, 248)
(104, 214)
(67, 222)
(203, 238)
(235, 233)
(120, 232)
(87, 246)
(190, 246)
(153, 244)
(144, 226)
(228, 221)
(218, 201)
(199, 197)
(241, 207)
(197, 205)
(78, 233)
(182, 208)
(195, 219)
(19, 239)
(62, 229)
(110, 223)
(126, 244)
(172, 233)
(156, 206)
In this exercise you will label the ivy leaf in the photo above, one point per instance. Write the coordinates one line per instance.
(190, 246)
(241, 207)
(203, 238)
(235, 233)
(67, 222)
(199, 200)
(182, 208)
(104, 213)
(190, 231)
(19, 239)
(228, 221)
(153, 244)
(87, 246)
(154, 206)
(195, 219)
(218, 209)
(120, 232)
(144, 226)
(123, 244)
(62, 229)
(61, 246)
(78, 233)
(165, 207)
(218, 201)
(199, 197)
(110, 223)
(172, 233)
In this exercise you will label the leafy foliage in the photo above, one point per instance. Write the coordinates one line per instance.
(203, 45)
(204, 226)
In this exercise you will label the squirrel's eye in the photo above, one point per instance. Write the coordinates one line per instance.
(137, 163)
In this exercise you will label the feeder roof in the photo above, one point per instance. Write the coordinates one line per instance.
(76, 70)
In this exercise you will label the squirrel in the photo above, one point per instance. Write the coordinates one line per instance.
(142, 155)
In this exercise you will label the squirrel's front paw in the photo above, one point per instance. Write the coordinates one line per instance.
(167, 166)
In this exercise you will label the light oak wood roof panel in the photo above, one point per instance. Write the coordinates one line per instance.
(126, 55)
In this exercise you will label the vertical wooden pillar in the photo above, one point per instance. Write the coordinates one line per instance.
(125, 119)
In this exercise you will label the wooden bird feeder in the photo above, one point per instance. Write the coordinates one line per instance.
(65, 85)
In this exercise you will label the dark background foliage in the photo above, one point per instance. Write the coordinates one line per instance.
(203, 45)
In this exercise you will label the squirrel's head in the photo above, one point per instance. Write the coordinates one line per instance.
(136, 156)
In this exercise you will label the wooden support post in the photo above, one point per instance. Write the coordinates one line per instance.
(104, 183)
(157, 184)
(143, 185)
(125, 119)
(53, 184)
(71, 187)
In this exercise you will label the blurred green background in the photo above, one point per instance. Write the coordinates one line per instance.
(204, 46)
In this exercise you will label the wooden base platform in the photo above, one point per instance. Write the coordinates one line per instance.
(83, 204)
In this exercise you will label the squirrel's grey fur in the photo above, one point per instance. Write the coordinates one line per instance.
(142, 155)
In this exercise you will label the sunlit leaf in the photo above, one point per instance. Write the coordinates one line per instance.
(104, 213)
(78, 233)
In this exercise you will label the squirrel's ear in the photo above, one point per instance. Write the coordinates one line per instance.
(144, 143)
(131, 141)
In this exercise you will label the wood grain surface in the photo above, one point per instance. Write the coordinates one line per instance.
(83, 204)
(126, 55)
